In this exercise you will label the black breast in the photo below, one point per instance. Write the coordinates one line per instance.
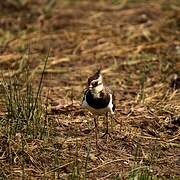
(97, 103)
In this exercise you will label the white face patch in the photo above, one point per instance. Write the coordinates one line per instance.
(98, 88)
(97, 85)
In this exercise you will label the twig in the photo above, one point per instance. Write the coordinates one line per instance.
(105, 164)
(64, 165)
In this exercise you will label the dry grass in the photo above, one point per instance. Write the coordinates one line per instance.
(138, 47)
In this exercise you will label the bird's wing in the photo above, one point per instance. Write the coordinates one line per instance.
(108, 90)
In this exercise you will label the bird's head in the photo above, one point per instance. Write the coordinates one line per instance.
(95, 82)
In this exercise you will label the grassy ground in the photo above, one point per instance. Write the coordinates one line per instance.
(44, 133)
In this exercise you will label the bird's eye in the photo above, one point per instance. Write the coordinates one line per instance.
(95, 84)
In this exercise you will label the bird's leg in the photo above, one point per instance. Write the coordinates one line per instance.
(107, 126)
(96, 130)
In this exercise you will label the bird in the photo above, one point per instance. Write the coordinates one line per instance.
(98, 100)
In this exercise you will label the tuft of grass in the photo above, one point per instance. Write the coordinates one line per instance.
(25, 119)
(140, 170)
(76, 173)
(79, 169)
(25, 111)
(141, 173)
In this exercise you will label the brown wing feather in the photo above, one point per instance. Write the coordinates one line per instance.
(113, 96)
